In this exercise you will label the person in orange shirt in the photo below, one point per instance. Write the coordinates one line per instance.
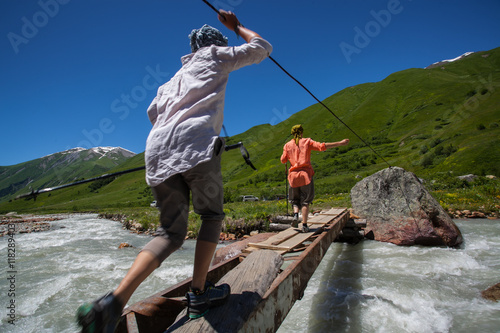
(300, 175)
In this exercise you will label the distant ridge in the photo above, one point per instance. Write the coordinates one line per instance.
(103, 151)
(442, 62)
(60, 168)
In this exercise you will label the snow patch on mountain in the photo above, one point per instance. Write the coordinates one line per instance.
(102, 151)
(442, 62)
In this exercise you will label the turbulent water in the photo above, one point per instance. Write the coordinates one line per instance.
(368, 287)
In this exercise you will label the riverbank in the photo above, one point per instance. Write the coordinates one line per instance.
(146, 221)
(232, 230)
(468, 214)
(27, 223)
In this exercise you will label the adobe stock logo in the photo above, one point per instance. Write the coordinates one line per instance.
(372, 29)
(30, 28)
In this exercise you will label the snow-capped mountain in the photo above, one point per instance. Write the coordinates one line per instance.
(60, 168)
(115, 153)
(443, 62)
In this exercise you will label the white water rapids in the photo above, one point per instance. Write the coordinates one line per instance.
(368, 287)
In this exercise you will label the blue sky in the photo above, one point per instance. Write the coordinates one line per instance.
(82, 73)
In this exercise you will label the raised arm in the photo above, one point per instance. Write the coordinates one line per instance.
(230, 20)
(329, 145)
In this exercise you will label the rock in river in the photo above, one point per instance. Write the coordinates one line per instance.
(398, 209)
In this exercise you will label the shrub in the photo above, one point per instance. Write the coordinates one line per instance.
(427, 161)
(95, 185)
(471, 93)
(435, 142)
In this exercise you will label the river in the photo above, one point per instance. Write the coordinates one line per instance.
(368, 287)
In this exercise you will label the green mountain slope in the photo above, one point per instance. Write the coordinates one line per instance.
(59, 168)
(424, 120)
(428, 121)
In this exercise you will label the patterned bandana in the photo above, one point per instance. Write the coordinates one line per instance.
(206, 36)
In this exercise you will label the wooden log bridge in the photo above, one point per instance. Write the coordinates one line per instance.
(266, 280)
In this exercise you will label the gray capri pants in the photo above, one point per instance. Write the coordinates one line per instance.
(303, 195)
(204, 181)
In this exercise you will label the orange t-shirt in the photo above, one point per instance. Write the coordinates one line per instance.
(301, 171)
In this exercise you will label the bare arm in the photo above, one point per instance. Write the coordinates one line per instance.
(329, 145)
(231, 22)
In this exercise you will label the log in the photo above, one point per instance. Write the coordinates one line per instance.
(278, 226)
(349, 232)
(282, 219)
(249, 282)
(360, 223)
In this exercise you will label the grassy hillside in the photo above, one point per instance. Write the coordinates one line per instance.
(57, 169)
(433, 122)
(424, 120)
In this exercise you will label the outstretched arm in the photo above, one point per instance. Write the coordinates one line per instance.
(230, 20)
(329, 145)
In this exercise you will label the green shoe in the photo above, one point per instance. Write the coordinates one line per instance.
(101, 316)
(200, 302)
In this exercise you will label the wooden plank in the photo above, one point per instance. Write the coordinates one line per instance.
(269, 246)
(334, 211)
(277, 242)
(321, 219)
(283, 247)
(315, 225)
(249, 249)
(278, 238)
(249, 282)
(296, 240)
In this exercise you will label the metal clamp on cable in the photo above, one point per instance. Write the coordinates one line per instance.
(244, 153)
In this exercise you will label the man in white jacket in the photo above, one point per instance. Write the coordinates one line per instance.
(183, 154)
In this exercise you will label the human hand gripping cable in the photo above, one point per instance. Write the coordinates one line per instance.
(231, 22)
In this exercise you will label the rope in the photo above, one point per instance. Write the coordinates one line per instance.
(333, 114)
(313, 96)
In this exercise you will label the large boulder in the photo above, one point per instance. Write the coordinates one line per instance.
(398, 209)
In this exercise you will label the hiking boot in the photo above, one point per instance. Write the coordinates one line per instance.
(305, 228)
(200, 302)
(295, 221)
(101, 316)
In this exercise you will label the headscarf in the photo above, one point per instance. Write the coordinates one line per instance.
(297, 131)
(206, 36)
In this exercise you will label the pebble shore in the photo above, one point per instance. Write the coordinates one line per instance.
(23, 224)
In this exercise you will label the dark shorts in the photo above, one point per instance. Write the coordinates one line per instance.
(303, 195)
(204, 183)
